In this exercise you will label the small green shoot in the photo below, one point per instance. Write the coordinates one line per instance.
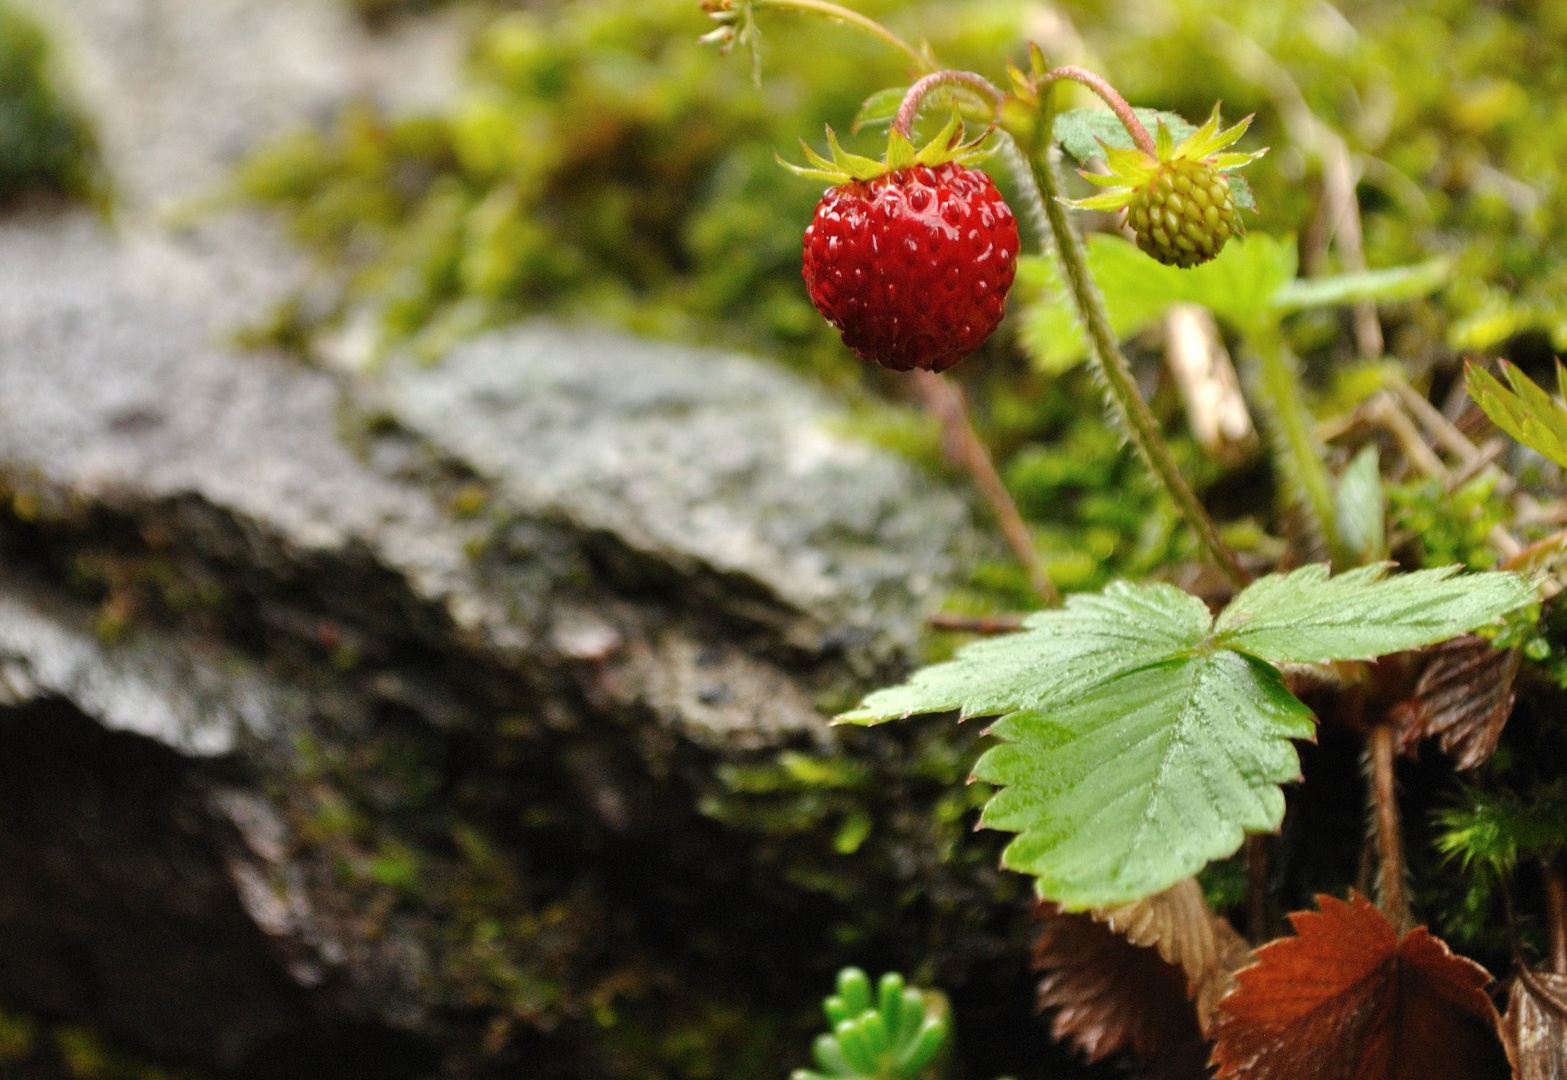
(894, 1035)
(1525, 412)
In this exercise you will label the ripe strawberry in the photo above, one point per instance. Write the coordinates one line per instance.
(911, 258)
(1179, 204)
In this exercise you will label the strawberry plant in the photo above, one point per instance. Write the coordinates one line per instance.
(1143, 732)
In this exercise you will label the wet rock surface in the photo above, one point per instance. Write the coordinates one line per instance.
(380, 724)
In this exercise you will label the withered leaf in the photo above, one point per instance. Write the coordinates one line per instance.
(1347, 998)
(1535, 1027)
(1110, 995)
(1183, 928)
(1463, 699)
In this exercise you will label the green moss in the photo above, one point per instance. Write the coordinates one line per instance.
(45, 142)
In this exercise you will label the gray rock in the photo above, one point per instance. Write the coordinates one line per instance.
(619, 566)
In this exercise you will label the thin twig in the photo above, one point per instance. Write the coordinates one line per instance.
(948, 404)
(1441, 428)
(975, 624)
(1390, 843)
(922, 62)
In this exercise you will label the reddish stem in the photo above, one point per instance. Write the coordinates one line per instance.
(903, 123)
(1390, 842)
(947, 403)
(1123, 111)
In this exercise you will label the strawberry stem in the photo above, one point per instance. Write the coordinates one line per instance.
(1135, 417)
(1123, 111)
(1556, 915)
(903, 123)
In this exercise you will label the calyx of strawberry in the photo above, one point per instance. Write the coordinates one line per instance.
(1132, 169)
(948, 145)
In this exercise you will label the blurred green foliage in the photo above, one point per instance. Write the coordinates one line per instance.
(45, 143)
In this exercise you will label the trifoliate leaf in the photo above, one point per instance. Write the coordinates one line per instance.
(1141, 739)
(1347, 997)
(1126, 789)
(1304, 617)
(1084, 133)
(1525, 412)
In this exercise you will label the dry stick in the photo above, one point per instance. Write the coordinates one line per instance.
(975, 624)
(947, 402)
(1390, 843)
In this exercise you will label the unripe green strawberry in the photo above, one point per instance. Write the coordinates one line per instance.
(1185, 213)
(1179, 202)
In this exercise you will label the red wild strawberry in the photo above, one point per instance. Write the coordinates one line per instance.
(911, 258)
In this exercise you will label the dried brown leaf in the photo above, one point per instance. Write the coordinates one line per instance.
(1183, 928)
(1347, 998)
(1535, 1027)
(1463, 699)
(1110, 995)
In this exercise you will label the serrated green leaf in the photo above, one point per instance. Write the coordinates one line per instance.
(1362, 506)
(1525, 412)
(1091, 640)
(880, 107)
(1130, 788)
(1143, 738)
(1241, 191)
(1080, 131)
(1239, 284)
(1398, 283)
(1305, 617)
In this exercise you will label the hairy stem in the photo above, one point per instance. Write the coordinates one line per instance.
(922, 62)
(903, 123)
(1556, 915)
(1137, 420)
(947, 402)
(1097, 83)
(1295, 441)
(1390, 843)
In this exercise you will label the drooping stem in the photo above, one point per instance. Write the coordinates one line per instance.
(903, 123)
(1112, 97)
(922, 61)
(1137, 420)
(1294, 438)
(1390, 842)
(947, 402)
